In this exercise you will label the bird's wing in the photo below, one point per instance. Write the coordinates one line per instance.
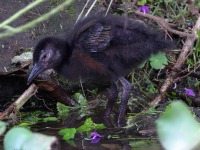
(92, 34)
(95, 38)
(97, 34)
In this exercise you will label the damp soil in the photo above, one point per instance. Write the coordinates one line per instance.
(58, 25)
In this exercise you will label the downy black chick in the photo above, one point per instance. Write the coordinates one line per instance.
(100, 47)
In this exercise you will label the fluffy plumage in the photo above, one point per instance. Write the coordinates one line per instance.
(100, 47)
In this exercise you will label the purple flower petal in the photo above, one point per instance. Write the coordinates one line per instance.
(144, 9)
(96, 140)
(95, 137)
(189, 92)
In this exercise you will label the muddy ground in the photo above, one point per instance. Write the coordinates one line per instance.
(58, 25)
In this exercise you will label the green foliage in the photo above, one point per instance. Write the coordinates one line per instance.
(94, 91)
(150, 86)
(31, 118)
(177, 128)
(2, 127)
(143, 2)
(62, 110)
(81, 107)
(47, 119)
(158, 61)
(38, 142)
(197, 83)
(10, 140)
(23, 139)
(80, 98)
(67, 133)
(88, 126)
(70, 10)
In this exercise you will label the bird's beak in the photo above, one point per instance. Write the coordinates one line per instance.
(37, 69)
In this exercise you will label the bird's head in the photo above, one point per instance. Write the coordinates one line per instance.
(47, 55)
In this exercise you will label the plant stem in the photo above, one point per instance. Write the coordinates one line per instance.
(36, 21)
(21, 12)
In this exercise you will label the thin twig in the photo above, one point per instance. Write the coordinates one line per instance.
(109, 7)
(20, 101)
(164, 24)
(80, 15)
(92, 6)
(187, 47)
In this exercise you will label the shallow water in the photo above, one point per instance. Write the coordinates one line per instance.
(113, 139)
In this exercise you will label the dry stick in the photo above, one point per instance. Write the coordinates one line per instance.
(164, 24)
(187, 47)
(181, 59)
(20, 101)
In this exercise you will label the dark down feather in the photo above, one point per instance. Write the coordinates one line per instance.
(100, 47)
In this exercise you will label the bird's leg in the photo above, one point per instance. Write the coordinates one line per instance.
(127, 87)
(113, 95)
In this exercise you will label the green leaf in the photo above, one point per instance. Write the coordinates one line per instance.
(2, 127)
(38, 141)
(158, 61)
(27, 123)
(177, 128)
(87, 126)
(100, 126)
(50, 119)
(19, 138)
(80, 98)
(15, 137)
(90, 125)
(62, 110)
(67, 133)
(142, 2)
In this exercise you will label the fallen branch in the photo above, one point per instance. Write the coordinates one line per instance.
(187, 47)
(20, 101)
(164, 24)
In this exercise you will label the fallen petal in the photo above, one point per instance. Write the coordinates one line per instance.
(189, 92)
(144, 9)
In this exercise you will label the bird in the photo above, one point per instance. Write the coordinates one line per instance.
(100, 48)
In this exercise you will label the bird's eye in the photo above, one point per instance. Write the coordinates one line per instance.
(44, 56)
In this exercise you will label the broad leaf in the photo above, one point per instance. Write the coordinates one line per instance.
(177, 128)
(67, 133)
(158, 61)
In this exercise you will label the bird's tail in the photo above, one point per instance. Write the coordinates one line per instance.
(156, 45)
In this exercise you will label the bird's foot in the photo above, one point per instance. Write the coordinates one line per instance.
(109, 122)
(121, 122)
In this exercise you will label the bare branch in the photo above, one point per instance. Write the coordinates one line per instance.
(187, 47)
(20, 101)
(164, 24)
